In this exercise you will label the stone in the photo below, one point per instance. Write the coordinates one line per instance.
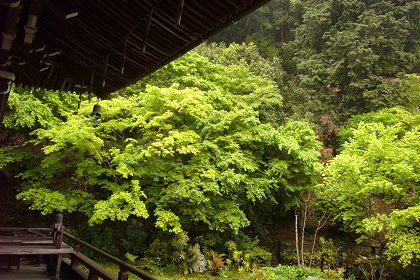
(200, 263)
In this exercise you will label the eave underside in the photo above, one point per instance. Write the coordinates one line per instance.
(102, 46)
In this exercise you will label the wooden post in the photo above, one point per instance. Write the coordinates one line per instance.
(52, 262)
(92, 275)
(74, 262)
(57, 240)
(58, 267)
(122, 274)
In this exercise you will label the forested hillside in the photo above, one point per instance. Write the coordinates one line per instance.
(287, 146)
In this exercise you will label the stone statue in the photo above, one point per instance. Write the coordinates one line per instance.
(200, 262)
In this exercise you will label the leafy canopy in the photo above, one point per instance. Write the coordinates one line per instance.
(372, 186)
(355, 53)
(193, 149)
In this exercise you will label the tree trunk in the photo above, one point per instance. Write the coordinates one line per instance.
(297, 239)
(302, 237)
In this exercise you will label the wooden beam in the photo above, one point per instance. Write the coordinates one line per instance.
(62, 9)
(34, 250)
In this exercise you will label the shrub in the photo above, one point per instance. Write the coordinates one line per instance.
(282, 272)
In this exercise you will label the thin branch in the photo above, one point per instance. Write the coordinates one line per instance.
(321, 224)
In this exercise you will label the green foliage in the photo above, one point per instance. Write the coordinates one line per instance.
(201, 146)
(194, 149)
(245, 54)
(281, 272)
(100, 236)
(413, 93)
(248, 55)
(221, 149)
(48, 201)
(11, 155)
(173, 254)
(132, 237)
(329, 254)
(70, 136)
(119, 238)
(168, 221)
(268, 27)
(387, 117)
(131, 258)
(403, 234)
(35, 108)
(120, 205)
(372, 186)
(196, 71)
(246, 254)
(356, 53)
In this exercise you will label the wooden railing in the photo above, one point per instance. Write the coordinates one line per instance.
(15, 241)
(19, 242)
(96, 271)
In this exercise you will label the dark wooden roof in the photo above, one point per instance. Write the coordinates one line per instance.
(104, 45)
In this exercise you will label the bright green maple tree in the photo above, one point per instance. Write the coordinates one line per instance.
(372, 186)
(193, 147)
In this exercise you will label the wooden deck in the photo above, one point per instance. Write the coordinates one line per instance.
(19, 243)
(24, 252)
(27, 272)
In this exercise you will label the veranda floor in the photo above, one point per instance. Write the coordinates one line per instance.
(25, 272)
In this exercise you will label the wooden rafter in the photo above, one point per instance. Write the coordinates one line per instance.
(118, 41)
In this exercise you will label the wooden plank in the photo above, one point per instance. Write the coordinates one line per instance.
(38, 242)
(10, 242)
(16, 229)
(26, 272)
(23, 238)
(34, 250)
(36, 232)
